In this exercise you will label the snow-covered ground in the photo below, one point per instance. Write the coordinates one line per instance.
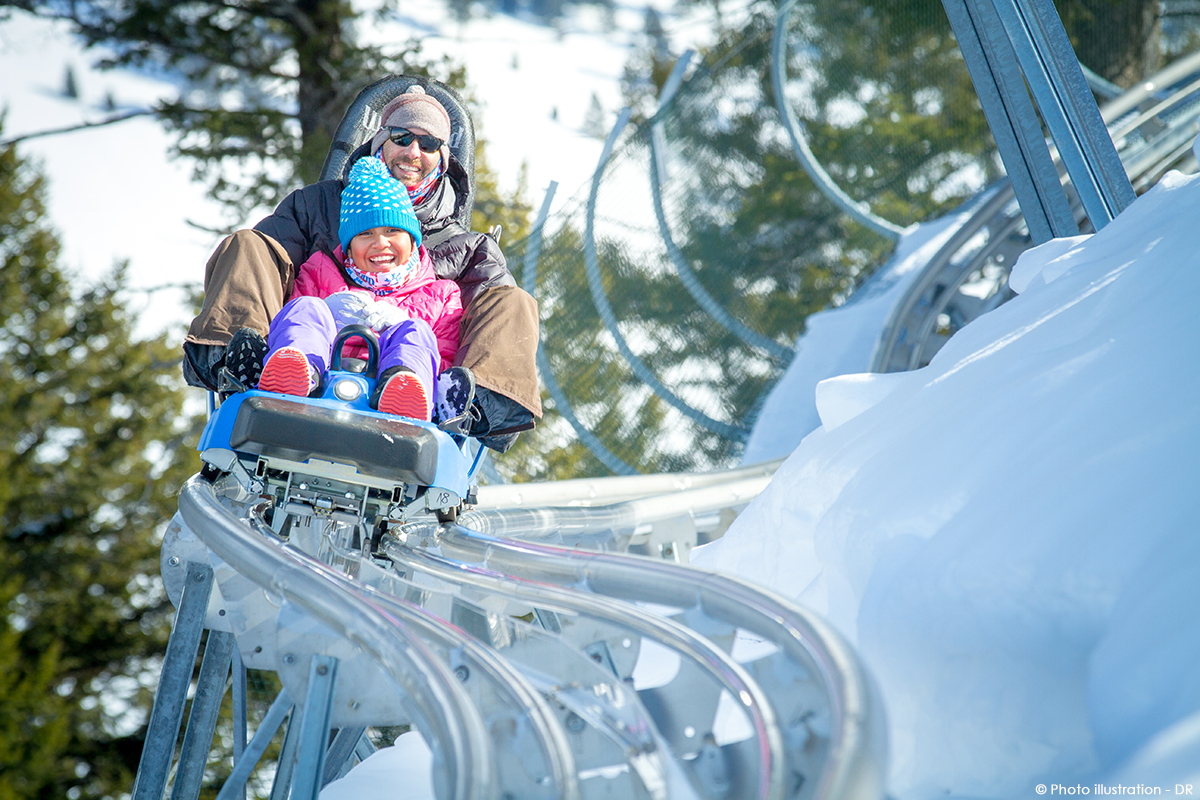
(1008, 535)
(842, 340)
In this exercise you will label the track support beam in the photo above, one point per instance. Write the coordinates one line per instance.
(235, 785)
(178, 665)
(202, 721)
(314, 728)
(1007, 46)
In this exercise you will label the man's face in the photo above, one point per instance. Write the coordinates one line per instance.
(409, 165)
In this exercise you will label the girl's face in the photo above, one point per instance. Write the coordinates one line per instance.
(381, 249)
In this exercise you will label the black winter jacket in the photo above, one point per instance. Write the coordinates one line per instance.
(307, 221)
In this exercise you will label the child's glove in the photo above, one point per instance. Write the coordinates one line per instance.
(381, 316)
(349, 308)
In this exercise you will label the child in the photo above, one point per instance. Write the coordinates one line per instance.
(382, 278)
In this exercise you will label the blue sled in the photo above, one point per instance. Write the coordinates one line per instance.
(318, 455)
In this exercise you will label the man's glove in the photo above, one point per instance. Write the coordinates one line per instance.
(349, 308)
(380, 316)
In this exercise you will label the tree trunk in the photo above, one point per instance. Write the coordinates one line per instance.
(321, 96)
(1120, 40)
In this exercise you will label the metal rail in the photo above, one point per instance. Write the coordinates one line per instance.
(1153, 126)
(597, 491)
(434, 698)
(514, 641)
(518, 660)
(860, 212)
(708, 601)
(658, 178)
(609, 318)
(561, 403)
(709, 668)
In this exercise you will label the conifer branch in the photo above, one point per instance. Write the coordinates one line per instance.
(207, 229)
(79, 127)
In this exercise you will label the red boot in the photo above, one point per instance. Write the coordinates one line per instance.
(404, 395)
(287, 371)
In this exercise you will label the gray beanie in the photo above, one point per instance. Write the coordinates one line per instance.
(413, 109)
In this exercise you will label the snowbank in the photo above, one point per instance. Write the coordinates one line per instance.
(403, 771)
(1008, 534)
(843, 339)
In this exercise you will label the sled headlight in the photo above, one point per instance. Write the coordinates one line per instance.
(347, 390)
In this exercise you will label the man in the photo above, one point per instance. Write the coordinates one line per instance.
(250, 275)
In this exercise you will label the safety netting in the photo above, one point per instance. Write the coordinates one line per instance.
(673, 287)
(776, 178)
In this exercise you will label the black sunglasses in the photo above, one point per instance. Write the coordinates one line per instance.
(426, 141)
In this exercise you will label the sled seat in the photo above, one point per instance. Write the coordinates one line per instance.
(381, 448)
(352, 138)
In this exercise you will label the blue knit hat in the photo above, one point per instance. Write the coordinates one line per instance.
(374, 199)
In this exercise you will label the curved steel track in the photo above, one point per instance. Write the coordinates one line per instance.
(1153, 126)
(519, 643)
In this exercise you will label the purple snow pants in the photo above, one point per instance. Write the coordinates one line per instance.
(307, 324)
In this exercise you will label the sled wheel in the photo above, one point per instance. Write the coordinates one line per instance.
(447, 514)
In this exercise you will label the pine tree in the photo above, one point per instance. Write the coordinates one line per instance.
(91, 457)
(1120, 41)
(492, 207)
(760, 238)
(593, 120)
(70, 84)
(888, 108)
(656, 33)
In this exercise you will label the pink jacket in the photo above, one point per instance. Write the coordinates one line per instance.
(426, 297)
